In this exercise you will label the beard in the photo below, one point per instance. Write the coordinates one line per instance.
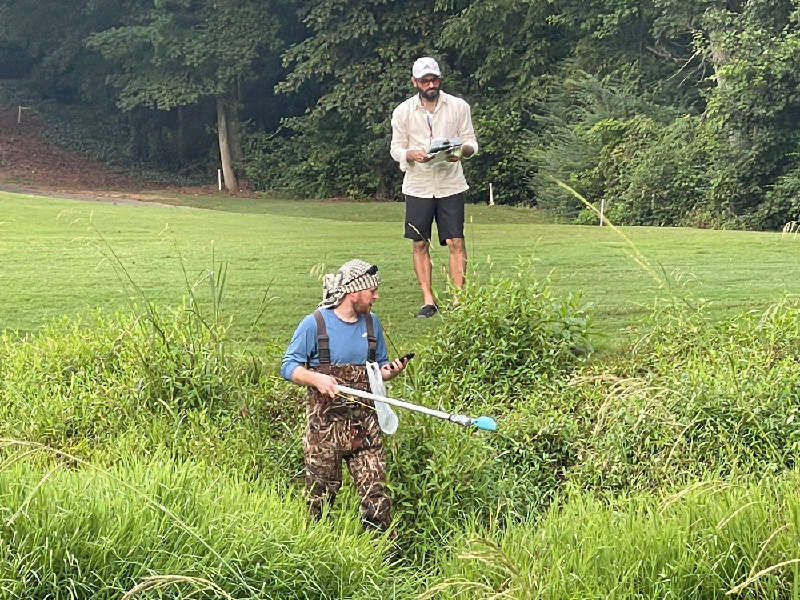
(361, 307)
(429, 94)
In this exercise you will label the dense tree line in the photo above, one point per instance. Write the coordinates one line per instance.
(679, 112)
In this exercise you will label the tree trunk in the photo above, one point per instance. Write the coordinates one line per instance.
(719, 57)
(225, 156)
(136, 136)
(180, 137)
(717, 17)
(235, 137)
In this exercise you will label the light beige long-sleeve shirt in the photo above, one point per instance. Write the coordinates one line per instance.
(412, 130)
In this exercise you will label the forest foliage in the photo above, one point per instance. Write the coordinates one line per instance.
(674, 113)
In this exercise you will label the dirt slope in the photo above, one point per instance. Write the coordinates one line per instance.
(27, 160)
(30, 164)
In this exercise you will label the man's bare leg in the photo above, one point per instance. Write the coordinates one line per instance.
(422, 267)
(458, 261)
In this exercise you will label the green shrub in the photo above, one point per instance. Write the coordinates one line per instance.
(507, 337)
(324, 157)
(98, 135)
(503, 138)
(509, 344)
(582, 130)
(442, 476)
(781, 205)
(658, 174)
(694, 396)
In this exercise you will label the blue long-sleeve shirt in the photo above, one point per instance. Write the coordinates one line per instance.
(348, 343)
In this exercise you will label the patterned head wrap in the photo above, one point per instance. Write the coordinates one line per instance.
(352, 276)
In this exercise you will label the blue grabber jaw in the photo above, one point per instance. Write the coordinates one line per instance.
(485, 423)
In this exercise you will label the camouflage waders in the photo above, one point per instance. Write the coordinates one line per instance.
(345, 429)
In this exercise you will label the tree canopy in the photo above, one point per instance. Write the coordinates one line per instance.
(672, 112)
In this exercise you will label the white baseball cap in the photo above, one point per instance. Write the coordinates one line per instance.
(425, 66)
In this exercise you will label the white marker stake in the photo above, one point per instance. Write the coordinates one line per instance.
(219, 178)
(19, 114)
(602, 210)
(491, 195)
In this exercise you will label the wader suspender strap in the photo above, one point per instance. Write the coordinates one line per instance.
(324, 342)
(371, 339)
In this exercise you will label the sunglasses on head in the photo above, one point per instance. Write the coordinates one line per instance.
(371, 271)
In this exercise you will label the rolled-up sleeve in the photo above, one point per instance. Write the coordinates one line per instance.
(468, 137)
(399, 145)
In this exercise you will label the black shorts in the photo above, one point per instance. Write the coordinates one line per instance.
(448, 213)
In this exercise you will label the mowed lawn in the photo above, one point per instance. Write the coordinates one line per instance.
(52, 261)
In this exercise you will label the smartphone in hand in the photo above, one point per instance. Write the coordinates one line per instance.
(405, 359)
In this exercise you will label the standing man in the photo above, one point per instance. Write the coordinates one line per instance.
(332, 346)
(433, 191)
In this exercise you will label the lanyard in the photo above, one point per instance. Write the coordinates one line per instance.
(429, 118)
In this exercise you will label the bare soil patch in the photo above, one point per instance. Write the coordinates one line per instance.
(32, 165)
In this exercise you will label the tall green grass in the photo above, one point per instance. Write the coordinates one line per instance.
(693, 398)
(158, 395)
(124, 385)
(92, 533)
(693, 395)
(712, 540)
